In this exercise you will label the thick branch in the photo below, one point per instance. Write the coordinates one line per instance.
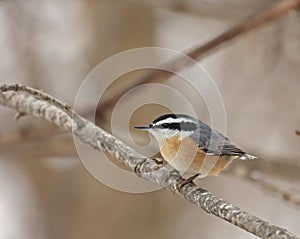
(146, 168)
(278, 10)
(42, 141)
(39, 140)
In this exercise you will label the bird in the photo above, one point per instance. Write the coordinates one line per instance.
(192, 147)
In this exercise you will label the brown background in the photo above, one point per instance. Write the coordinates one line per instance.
(46, 192)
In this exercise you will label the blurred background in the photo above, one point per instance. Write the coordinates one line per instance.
(45, 190)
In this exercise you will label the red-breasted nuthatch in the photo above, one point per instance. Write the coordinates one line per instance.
(192, 147)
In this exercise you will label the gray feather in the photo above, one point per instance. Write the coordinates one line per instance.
(214, 143)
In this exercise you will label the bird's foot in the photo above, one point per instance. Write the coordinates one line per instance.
(186, 181)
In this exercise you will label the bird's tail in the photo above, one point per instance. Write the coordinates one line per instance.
(247, 157)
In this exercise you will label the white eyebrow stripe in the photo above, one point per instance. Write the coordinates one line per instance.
(177, 120)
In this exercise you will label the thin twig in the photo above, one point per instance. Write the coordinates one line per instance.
(146, 168)
(260, 179)
(275, 12)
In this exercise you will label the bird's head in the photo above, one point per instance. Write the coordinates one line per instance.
(169, 125)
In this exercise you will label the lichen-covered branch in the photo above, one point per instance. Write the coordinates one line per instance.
(254, 172)
(38, 104)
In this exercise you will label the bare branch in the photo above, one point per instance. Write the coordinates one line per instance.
(260, 179)
(278, 10)
(146, 168)
(28, 138)
(275, 189)
(38, 94)
(271, 166)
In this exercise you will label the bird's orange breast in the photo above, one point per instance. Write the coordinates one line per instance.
(185, 156)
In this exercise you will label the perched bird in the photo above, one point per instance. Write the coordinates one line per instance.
(192, 147)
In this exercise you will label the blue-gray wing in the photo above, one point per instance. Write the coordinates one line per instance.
(213, 142)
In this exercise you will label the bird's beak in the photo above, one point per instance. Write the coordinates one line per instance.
(143, 127)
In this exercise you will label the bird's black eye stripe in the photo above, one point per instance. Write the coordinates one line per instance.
(174, 126)
(163, 126)
(186, 126)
